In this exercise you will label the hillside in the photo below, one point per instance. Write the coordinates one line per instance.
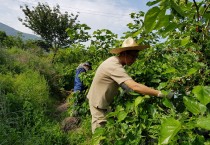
(11, 31)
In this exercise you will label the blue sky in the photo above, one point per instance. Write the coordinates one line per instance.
(98, 14)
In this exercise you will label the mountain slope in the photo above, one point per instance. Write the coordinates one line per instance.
(11, 31)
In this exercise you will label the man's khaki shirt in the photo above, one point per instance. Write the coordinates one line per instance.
(109, 75)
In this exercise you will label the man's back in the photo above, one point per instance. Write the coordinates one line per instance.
(106, 82)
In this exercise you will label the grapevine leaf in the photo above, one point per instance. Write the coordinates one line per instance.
(169, 128)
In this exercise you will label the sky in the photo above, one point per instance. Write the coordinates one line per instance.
(98, 14)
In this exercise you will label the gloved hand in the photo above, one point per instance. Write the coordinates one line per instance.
(168, 95)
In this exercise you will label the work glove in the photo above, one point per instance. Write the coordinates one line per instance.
(168, 95)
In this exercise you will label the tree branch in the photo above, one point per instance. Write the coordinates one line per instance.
(197, 9)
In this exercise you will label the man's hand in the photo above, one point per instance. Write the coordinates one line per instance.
(168, 95)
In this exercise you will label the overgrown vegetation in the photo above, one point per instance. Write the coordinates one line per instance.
(31, 86)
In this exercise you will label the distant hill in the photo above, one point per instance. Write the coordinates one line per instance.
(11, 31)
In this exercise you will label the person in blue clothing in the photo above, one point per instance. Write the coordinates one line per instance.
(79, 87)
(82, 68)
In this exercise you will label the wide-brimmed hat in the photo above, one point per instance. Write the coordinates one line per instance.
(128, 44)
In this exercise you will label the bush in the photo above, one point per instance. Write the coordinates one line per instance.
(31, 86)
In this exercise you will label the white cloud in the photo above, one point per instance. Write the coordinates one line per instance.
(98, 14)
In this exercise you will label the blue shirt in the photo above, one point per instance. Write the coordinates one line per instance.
(78, 85)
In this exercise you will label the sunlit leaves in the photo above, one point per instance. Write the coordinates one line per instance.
(185, 40)
(163, 21)
(169, 70)
(177, 8)
(169, 128)
(150, 3)
(192, 71)
(202, 93)
(138, 101)
(194, 106)
(171, 26)
(204, 122)
(167, 103)
(121, 116)
(150, 19)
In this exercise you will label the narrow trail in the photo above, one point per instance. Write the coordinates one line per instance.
(67, 122)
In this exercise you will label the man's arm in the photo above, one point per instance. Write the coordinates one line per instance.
(142, 89)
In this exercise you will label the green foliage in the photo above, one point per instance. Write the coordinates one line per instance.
(30, 82)
(24, 104)
(103, 40)
(169, 128)
(82, 135)
(179, 63)
(3, 36)
(136, 30)
(52, 25)
(27, 125)
(10, 41)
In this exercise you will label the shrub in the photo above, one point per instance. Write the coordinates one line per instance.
(31, 86)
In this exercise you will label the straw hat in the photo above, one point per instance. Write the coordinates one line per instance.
(128, 44)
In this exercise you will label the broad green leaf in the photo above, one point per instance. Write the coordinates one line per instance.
(185, 41)
(138, 101)
(192, 71)
(190, 124)
(169, 28)
(153, 2)
(137, 33)
(202, 93)
(177, 8)
(119, 108)
(163, 20)
(204, 122)
(169, 70)
(134, 93)
(152, 110)
(167, 103)
(150, 18)
(194, 106)
(98, 136)
(162, 85)
(207, 16)
(129, 106)
(140, 40)
(121, 116)
(169, 128)
(112, 114)
(156, 80)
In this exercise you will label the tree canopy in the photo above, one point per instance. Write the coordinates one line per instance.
(53, 26)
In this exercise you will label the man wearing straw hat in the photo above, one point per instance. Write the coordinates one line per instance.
(111, 75)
